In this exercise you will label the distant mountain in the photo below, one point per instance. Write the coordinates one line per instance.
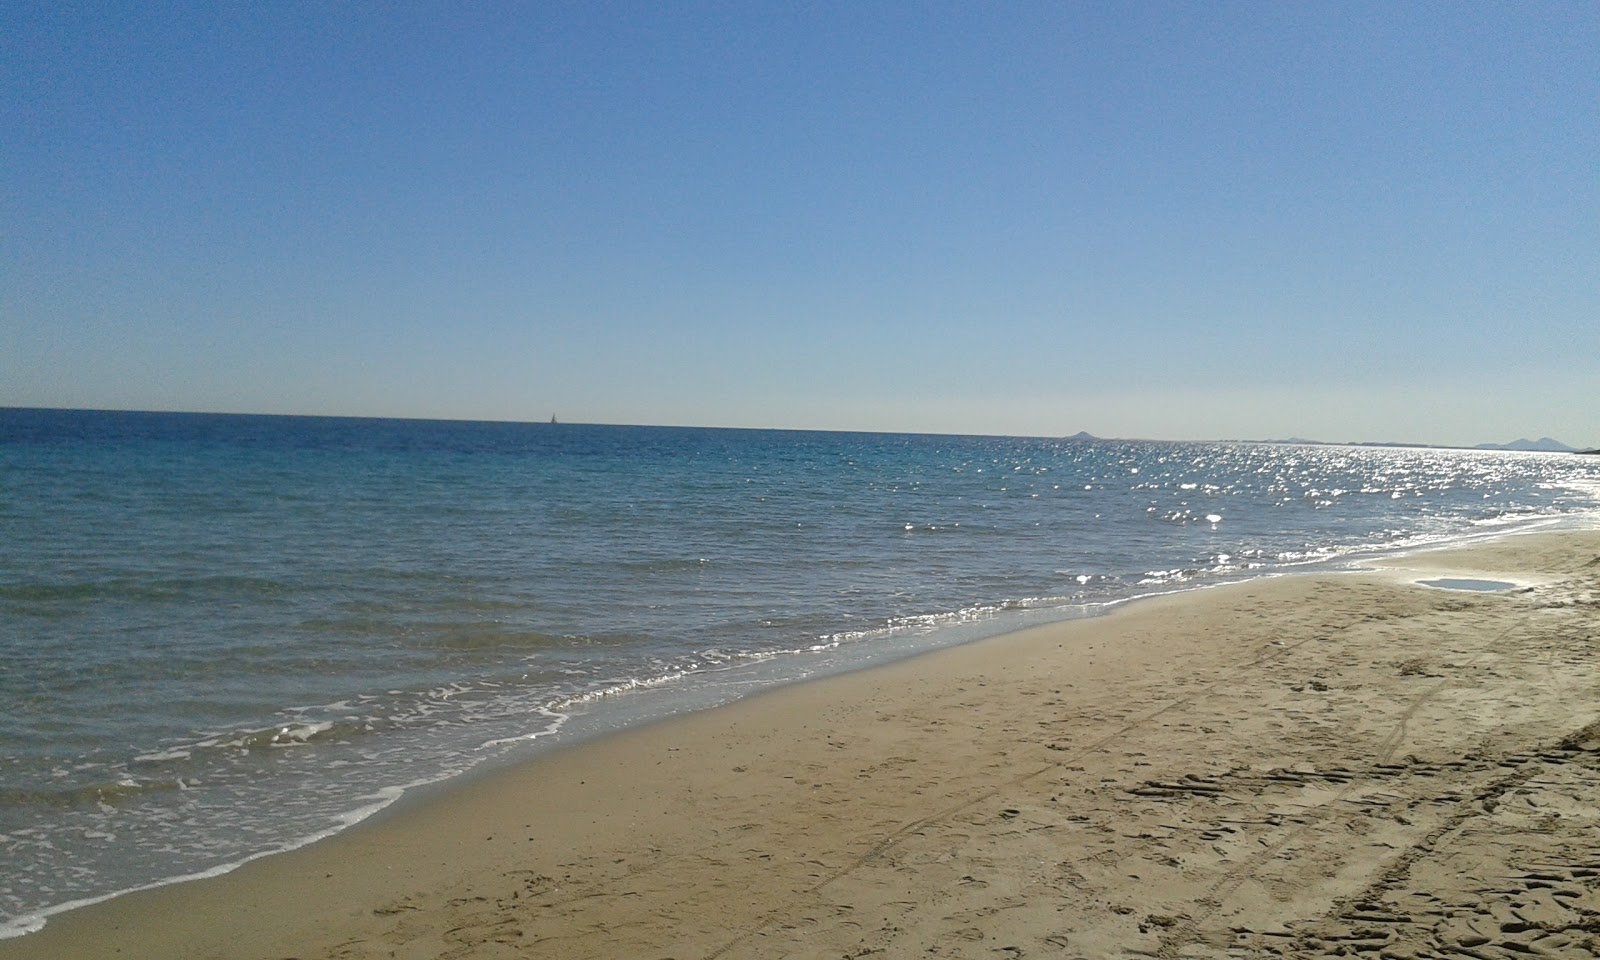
(1543, 444)
(1082, 435)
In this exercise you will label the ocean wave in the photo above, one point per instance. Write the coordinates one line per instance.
(488, 636)
(1087, 579)
(286, 735)
(671, 565)
(153, 590)
(107, 793)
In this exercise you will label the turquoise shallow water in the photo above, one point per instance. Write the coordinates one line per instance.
(225, 635)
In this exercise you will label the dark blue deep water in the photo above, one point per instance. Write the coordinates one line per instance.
(221, 636)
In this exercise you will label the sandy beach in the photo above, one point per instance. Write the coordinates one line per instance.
(1304, 766)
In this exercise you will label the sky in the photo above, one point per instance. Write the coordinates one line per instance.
(1338, 221)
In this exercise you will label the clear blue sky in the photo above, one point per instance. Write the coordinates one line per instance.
(1331, 220)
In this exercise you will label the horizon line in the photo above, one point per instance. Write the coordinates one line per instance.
(1082, 434)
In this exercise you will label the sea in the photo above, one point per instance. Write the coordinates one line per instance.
(223, 636)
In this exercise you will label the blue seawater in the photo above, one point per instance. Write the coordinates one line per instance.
(223, 636)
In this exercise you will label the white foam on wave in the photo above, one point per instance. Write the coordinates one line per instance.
(175, 754)
(34, 921)
(557, 720)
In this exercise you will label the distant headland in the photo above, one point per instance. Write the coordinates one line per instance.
(1523, 444)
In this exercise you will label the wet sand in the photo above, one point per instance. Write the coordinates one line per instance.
(1305, 766)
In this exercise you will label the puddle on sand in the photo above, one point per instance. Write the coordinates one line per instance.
(1479, 586)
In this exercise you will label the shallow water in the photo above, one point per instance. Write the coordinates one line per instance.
(1476, 586)
(224, 635)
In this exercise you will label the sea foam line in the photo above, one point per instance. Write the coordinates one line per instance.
(34, 921)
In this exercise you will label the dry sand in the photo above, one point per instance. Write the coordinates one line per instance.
(1306, 766)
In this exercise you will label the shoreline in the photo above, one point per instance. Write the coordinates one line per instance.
(396, 800)
(852, 811)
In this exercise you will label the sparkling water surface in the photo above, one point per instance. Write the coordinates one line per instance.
(225, 635)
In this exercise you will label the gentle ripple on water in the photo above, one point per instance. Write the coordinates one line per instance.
(223, 635)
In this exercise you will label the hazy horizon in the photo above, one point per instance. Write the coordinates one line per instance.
(1324, 441)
